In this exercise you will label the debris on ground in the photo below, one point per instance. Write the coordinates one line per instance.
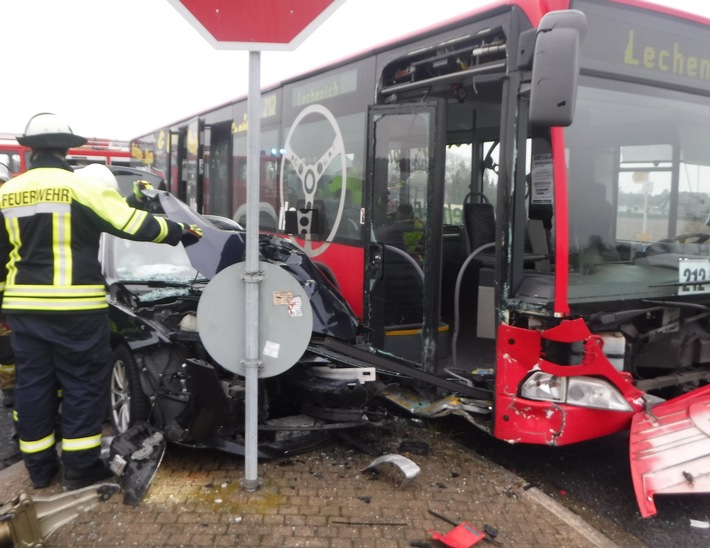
(408, 469)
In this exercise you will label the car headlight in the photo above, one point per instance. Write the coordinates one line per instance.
(580, 391)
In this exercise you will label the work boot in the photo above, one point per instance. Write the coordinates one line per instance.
(45, 480)
(76, 478)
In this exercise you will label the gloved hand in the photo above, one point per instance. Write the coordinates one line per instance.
(190, 234)
(139, 187)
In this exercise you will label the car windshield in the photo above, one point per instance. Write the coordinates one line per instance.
(639, 189)
(150, 262)
(125, 177)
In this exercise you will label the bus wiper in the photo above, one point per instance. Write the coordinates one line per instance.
(613, 318)
(681, 284)
(679, 304)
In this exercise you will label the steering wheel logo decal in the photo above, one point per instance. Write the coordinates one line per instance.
(310, 175)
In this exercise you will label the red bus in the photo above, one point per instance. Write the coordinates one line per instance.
(515, 202)
(102, 151)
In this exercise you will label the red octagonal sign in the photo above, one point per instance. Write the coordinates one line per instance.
(255, 24)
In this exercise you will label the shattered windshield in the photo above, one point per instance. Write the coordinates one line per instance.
(639, 193)
(149, 262)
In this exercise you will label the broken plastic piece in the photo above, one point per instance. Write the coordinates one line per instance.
(409, 468)
(135, 457)
(464, 535)
(699, 524)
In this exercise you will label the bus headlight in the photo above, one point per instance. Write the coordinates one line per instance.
(580, 391)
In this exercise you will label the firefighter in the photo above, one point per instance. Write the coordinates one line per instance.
(99, 174)
(7, 359)
(55, 304)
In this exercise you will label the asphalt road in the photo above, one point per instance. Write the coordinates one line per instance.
(594, 480)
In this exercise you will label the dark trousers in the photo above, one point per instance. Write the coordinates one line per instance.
(70, 352)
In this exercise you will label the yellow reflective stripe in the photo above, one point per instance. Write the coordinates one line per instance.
(14, 415)
(13, 233)
(135, 222)
(54, 304)
(163, 229)
(61, 248)
(27, 211)
(37, 446)
(48, 297)
(2, 286)
(81, 444)
(7, 367)
(42, 291)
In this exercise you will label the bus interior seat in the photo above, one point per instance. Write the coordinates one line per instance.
(321, 228)
(480, 230)
(267, 216)
(479, 222)
(539, 244)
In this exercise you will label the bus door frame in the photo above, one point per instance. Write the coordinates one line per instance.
(181, 163)
(374, 251)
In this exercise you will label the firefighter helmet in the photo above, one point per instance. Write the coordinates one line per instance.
(98, 173)
(47, 130)
(4, 173)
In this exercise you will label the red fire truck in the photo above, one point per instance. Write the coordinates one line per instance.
(102, 151)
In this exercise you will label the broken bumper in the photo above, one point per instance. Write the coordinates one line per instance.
(670, 449)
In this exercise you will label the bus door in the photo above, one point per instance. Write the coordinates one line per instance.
(179, 160)
(190, 165)
(406, 145)
(217, 182)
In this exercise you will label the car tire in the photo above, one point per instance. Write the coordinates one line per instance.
(129, 405)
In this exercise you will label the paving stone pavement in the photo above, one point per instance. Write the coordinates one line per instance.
(321, 499)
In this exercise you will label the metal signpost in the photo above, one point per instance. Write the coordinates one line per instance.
(254, 26)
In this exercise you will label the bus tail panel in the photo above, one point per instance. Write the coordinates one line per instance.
(546, 403)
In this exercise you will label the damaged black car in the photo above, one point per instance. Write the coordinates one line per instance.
(163, 374)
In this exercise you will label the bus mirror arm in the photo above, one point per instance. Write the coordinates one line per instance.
(555, 67)
(526, 49)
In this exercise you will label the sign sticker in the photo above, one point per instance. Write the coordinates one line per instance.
(271, 349)
(282, 298)
(694, 274)
(541, 179)
(295, 307)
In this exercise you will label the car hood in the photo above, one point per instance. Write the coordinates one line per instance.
(218, 248)
(209, 252)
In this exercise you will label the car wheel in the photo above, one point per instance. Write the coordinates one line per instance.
(129, 405)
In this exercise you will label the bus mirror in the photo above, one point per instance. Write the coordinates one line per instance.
(555, 70)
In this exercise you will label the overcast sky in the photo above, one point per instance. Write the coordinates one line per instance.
(121, 68)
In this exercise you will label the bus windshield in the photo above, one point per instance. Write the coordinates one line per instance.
(639, 193)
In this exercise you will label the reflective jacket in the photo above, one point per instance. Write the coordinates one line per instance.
(50, 226)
